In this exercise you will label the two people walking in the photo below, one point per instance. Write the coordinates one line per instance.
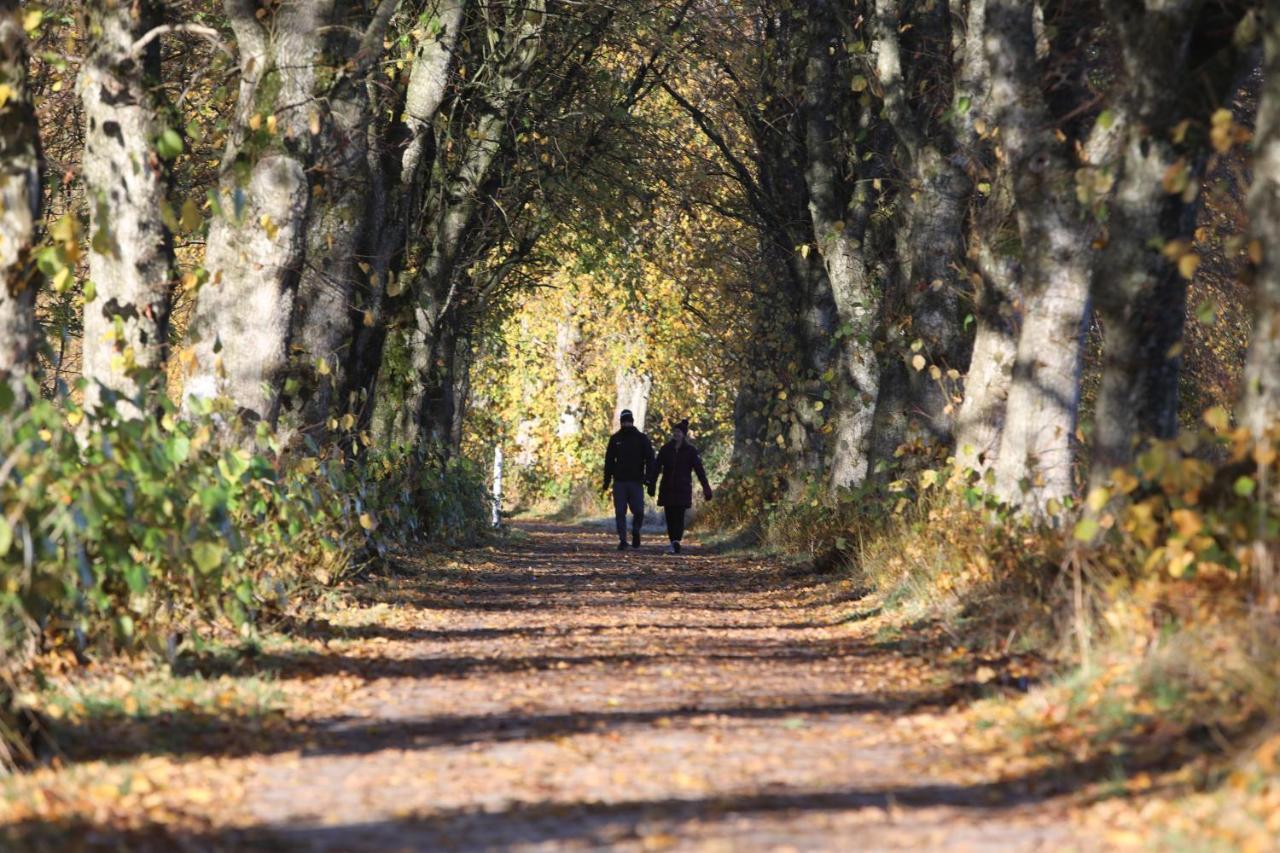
(631, 466)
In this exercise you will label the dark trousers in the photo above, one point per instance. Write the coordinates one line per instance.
(675, 522)
(626, 495)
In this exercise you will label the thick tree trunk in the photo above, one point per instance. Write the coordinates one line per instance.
(1260, 411)
(343, 208)
(19, 208)
(396, 193)
(980, 422)
(934, 200)
(131, 262)
(1138, 292)
(997, 322)
(839, 227)
(1036, 459)
(257, 240)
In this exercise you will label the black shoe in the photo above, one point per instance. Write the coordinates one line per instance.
(622, 546)
(675, 546)
(635, 539)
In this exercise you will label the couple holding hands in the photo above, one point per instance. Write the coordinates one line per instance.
(630, 465)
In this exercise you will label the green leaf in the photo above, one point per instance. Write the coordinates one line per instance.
(7, 397)
(6, 534)
(207, 555)
(1086, 529)
(169, 145)
(178, 448)
(1245, 486)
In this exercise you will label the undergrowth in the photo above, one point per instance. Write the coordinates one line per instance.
(124, 535)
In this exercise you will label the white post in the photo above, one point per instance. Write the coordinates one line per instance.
(497, 486)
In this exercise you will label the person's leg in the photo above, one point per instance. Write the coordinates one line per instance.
(620, 510)
(637, 510)
(675, 523)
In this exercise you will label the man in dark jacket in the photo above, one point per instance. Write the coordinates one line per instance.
(677, 462)
(628, 465)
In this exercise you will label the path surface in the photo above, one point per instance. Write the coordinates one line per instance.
(560, 695)
(552, 694)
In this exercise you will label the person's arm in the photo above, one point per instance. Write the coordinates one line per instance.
(702, 475)
(609, 453)
(650, 462)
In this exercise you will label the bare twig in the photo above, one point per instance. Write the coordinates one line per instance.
(165, 29)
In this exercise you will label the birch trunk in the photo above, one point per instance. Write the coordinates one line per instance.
(839, 227)
(19, 209)
(397, 190)
(241, 323)
(1036, 458)
(342, 209)
(632, 389)
(1260, 411)
(131, 262)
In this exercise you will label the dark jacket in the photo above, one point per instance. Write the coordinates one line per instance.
(676, 468)
(628, 458)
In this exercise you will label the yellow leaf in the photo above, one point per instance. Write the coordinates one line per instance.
(255, 121)
(6, 92)
(367, 521)
(1188, 264)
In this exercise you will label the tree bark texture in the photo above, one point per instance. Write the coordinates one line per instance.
(839, 224)
(1138, 292)
(257, 240)
(1036, 458)
(1260, 411)
(19, 208)
(131, 260)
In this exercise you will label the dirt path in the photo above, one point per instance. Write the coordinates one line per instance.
(554, 694)
(564, 695)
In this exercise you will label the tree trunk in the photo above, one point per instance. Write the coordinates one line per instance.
(396, 193)
(1036, 459)
(1138, 292)
(839, 227)
(257, 239)
(632, 392)
(931, 339)
(980, 422)
(1260, 410)
(131, 262)
(996, 275)
(437, 289)
(19, 209)
(342, 209)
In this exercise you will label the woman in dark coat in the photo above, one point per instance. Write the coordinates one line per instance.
(678, 461)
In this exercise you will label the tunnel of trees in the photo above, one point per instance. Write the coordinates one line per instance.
(280, 275)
